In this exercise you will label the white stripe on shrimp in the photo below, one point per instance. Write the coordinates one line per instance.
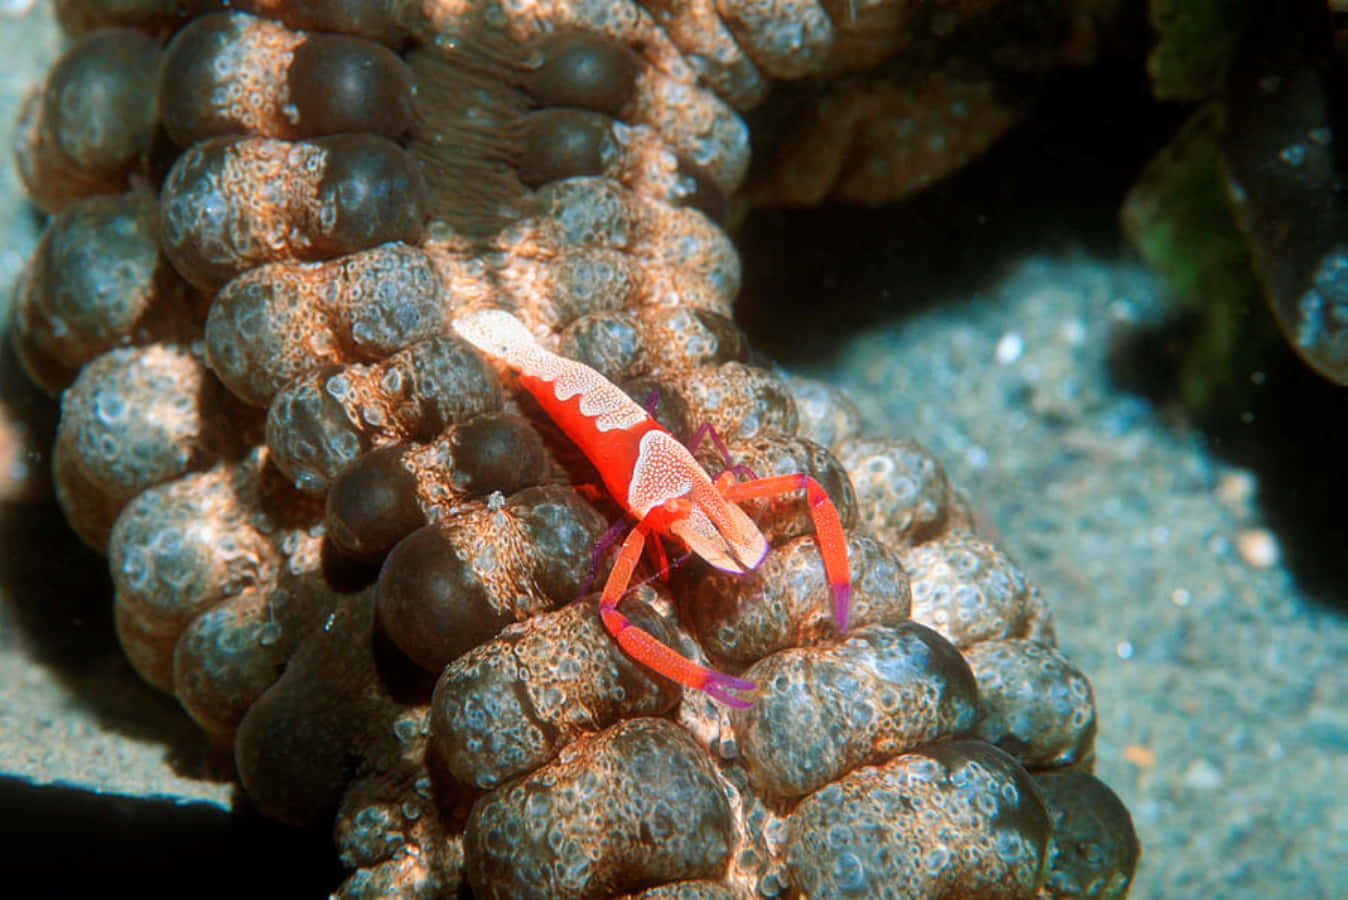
(498, 333)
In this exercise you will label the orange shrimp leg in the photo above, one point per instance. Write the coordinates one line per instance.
(644, 648)
(827, 528)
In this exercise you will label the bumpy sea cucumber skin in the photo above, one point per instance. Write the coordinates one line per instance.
(232, 652)
(510, 705)
(219, 556)
(950, 819)
(326, 414)
(276, 322)
(299, 775)
(787, 601)
(1094, 850)
(325, 419)
(970, 591)
(86, 129)
(635, 805)
(389, 832)
(79, 16)
(98, 281)
(136, 417)
(555, 108)
(661, 92)
(383, 496)
(821, 712)
(904, 490)
(232, 73)
(686, 890)
(274, 200)
(738, 400)
(687, 261)
(623, 345)
(828, 417)
(376, 20)
(1033, 704)
(448, 587)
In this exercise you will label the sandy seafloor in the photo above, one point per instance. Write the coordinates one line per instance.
(1221, 687)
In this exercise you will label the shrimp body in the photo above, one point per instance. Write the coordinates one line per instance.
(656, 478)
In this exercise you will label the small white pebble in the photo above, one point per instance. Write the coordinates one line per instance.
(1009, 348)
(15, 8)
(1180, 597)
(1235, 490)
(1124, 649)
(1258, 547)
(1073, 332)
(1201, 775)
